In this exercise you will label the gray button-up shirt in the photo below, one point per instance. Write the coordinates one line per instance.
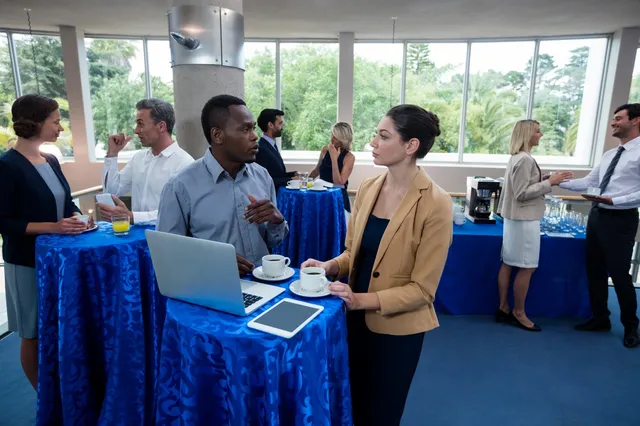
(204, 201)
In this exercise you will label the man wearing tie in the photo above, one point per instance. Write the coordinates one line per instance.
(612, 226)
(271, 123)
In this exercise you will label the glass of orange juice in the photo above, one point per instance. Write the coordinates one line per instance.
(120, 225)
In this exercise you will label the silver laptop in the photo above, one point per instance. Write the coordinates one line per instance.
(204, 273)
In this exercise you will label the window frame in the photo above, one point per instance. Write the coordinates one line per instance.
(364, 157)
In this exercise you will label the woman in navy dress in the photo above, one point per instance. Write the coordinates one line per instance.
(336, 160)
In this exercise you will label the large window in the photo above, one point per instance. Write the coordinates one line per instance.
(499, 81)
(377, 80)
(634, 95)
(160, 70)
(117, 78)
(309, 94)
(7, 96)
(566, 97)
(260, 76)
(435, 81)
(44, 73)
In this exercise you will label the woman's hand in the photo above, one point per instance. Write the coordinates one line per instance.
(330, 267)
(69, 226)
(344, 292)
(559, 177)
(334, 152)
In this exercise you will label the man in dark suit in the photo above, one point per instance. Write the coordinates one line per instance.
(271, 123)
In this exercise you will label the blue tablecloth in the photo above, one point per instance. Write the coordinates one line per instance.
(317, 224)
(469, 284)
(100, 323)
(216, 371)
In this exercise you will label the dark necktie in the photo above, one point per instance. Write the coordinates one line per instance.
(607, 176)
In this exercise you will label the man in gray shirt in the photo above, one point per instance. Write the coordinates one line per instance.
(225, 196)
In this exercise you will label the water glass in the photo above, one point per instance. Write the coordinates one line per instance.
(304, 180)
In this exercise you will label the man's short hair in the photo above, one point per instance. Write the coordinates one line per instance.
(216, 113)
(268, 116)
(160, 111)
(633, 110)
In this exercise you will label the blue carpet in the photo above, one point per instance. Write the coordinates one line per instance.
(474, 372)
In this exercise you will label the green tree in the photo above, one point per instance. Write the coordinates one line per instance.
(418, 58)
(309, 95)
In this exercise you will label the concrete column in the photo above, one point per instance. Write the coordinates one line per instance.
(345, 77)
(617, 85)
(76, 71)
(194, 85)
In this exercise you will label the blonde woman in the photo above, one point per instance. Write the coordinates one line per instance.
(522, 207)
(336, 160)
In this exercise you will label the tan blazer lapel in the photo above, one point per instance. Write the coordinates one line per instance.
(364, 212)
(420, 181)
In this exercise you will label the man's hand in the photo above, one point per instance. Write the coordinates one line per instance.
(262, 211)
(119, 210)
(598, 199)
(116, 143)
(244, 266)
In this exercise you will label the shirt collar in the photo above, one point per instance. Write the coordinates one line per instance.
(268, 139)
(631, 144)
(216, 170)
(168, 151)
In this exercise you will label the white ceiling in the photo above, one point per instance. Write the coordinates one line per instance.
(369, 19)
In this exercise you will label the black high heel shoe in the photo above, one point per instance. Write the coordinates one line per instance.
(502, 316)
(518, 324)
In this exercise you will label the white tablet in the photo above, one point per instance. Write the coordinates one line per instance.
(286, 317)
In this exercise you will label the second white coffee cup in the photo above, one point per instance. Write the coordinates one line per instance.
(273, 265)
(313, 279)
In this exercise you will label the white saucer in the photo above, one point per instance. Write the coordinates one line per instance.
(318, 189)
(288, 273)
(296, 188)
(93, 228)
(295, 289)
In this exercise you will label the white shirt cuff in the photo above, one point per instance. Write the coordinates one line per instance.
(145, 217)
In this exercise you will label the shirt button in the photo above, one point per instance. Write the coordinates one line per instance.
(376, 274)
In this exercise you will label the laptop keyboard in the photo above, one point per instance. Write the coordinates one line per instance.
(250, 299)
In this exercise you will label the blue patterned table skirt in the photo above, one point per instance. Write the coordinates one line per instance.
(469, 284)
(215, 370)
(100, 323)
(317, 224)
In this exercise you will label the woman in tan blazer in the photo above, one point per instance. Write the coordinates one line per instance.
(522, 206)
(397, 243)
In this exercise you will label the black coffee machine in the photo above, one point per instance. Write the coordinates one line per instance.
(479, 191)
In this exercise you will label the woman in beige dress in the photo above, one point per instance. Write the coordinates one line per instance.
(522, 206)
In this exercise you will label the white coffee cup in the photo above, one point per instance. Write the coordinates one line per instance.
(459, 219)
(84, 218)
(293, 184)
(317, 185)
(313, 280)
(273, 265)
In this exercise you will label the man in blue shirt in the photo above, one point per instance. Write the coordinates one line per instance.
(225, 196)
(271, 122)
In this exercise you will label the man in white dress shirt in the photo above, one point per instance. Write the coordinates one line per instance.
(146, 173)
(612, 226)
